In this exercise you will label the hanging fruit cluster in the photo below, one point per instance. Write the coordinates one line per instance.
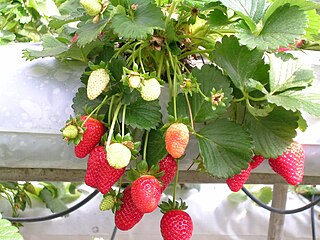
(161, 75)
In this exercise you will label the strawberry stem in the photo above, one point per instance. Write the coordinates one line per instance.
(140, 60)
(174, 67)
(115, 116)
(145, 145)
(123, 120)
(176, 182)
(190, 110)
(160, 65)
(97, 109)
(169, 79)
(110, 109)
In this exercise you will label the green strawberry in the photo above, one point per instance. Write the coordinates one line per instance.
(92, 7)
(150, 89)
(107, 203)
(70, 132)
(146, 193)
(118, 155)
(97, 82)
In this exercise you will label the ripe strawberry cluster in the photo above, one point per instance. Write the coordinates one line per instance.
(107, 164)
(290, 165)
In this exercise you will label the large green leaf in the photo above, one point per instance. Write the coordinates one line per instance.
(81, 100)
(7, 231)
(142, 23)
(307, 100)
(51, 47)
(225, 148)
(302, 4)
(274, 133)
(156, 147)
(312, 30)
(52, 202)
(288, 74)
(58, 21)
(239, 62)
(90, 31)
(143, 114)
(283, 26)
(250, 10)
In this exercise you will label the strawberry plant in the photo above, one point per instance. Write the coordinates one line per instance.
(162, 74)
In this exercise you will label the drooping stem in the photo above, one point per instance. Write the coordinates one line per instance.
(160, 66)
(145, 146)
(174, 90)
(123, 120)
(190, 110)
(114, 119)
(176, 181)
(169, 79)
(110, 109)
(96, 109)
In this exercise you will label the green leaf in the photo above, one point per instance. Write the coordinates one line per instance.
(307, 100)
(156, 147)
(288, 74)
(142, 23)
(285, 25)
(240, 63)
(58, 21)
(274, 133)
(143, 114)
(313, 25)
(51, 47)
(81, 100)
(237, 197)
(250, 10)
(217, 18)
(6, 37)
(90, 31)
(264, 194)
(7, 231)
(304, 5)
(224, 154)
(52, 202)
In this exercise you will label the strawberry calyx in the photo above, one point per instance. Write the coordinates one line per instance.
(172, 205)
(142, 169)
(114, 198)
(128, 141)
(73, 131)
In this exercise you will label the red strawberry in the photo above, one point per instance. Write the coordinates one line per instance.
(146, 193)
(236, 182)
(290, 165)
(169, 166)
(128, 215)
(94, 130)
(177, 139)
(256, 161)
(176, 225)
(100, 174)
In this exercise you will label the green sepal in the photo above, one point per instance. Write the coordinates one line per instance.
(170, 205)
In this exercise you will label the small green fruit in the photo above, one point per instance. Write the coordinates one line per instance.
(92, 7)
(70, 132)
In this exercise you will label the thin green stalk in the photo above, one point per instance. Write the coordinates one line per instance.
(97, 109)
(190, 110)
(114, 119)
(169, 78)
(197, 51)
(145, 145)
(160, 65)
(121, 50)
(174, 95)
(110, 109)
(176, 181)
(123, 120)
(140, 60)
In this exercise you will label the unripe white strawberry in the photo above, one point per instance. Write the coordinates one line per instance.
(97, 82)
(92, 7)
(134, 80)
(118, 155)
(150, 89)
